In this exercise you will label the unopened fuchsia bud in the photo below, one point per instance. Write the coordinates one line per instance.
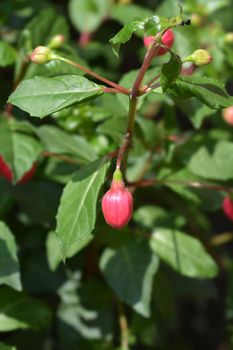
(167, 40)
(197, 20)
(227, 115)
(199, 57)
(57, 41)
(117, 203)
(42, 55)
(229, 38)
(227, 206)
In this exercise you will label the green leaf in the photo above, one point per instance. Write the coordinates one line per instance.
(77, 211)
(43, 96)
(170, 71)
(208, 90)
(130, 271)
(125, 14)
(125, 34)
(216, 164)
(9, 265)
(183, 253)
(19, 311)
(18, 146)
(7, 347)
(58, 141)
(148, 26)
(7, 54)
(53, 248)
(87, 15)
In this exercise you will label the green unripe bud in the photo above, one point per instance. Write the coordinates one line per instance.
(196, 20)
(229, 38)
(56, 41)
(199, 57)
(42, 55)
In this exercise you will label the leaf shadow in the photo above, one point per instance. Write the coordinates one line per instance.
(8, 264)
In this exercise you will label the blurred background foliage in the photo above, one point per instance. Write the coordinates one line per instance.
(71, 306)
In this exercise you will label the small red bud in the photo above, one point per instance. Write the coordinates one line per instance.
(188, 69)
(227, 115)
(84, 39)
(117, 203)
(227, 206)
(167, 40)
(6, 171)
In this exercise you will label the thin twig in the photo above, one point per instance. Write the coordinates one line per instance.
(193, 184)
(95, 75)
(222, 238)
(122, 150)
(123, 323)
(114, 90)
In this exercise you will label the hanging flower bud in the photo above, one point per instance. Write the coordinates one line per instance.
(227, 206)
(84, 39)
(56, 41)
(117, 203)
(227, 115)
(199, 57)
(42, 54)
(167, 40)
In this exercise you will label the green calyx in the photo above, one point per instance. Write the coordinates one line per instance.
(117, 175)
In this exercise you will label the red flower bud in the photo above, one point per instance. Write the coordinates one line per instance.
(117, 203)
(167, 40)
(227, 114)
(6, 171)
(227, 206)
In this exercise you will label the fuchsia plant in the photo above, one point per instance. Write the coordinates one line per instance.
(117, 203)
(143, 154)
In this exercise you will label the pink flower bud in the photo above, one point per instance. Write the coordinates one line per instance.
(117, 203)
(56, 41)
(167, 40)
(84, 39)
(227, 115)
(227, 206)
(41, 55)
(188, 69)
